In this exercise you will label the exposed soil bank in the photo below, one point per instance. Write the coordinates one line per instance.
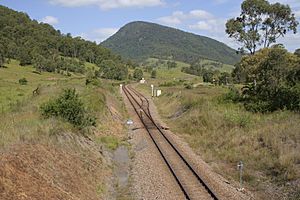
(72, 169)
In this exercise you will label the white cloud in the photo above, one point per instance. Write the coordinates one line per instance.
(290, 41)
(108, 4)
(297, 14)
(50, 20)
(170, 20)
(201, 25)
(99, 35)
(174, 19)
(215, 25)
(220, 1)
(179, 17)
(200, 14)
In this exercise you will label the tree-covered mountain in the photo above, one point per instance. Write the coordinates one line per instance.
(141, 40)
(32, 42)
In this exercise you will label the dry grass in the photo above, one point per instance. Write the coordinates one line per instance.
(225, 133)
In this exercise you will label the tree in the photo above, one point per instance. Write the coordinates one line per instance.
(171, 64)
(2, 58)
(208, 76)
(245, 70)
(277, 80)
(224, 78)
(153, 74)
(112, 70)
(25, 56)
(39, 62)
(297, 52)
(138, 74)
(48, 49)
(261, 24)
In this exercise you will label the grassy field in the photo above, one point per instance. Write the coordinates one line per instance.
(20, 118)
(209, 64)
(224, 133)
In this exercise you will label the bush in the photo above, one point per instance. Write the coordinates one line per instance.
(188, 85)
(23, 81)
(93, 81)
(153, 74)
(138, 74)
(259, 106)
(68, 106)
(233, 95)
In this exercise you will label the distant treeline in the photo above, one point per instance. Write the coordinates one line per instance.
(209, 72)
(48, 49)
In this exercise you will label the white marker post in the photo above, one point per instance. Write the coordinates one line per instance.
(121, 87)
(152, 90)
(240, 167)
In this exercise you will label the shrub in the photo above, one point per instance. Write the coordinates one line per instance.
(153, 74)
(23, 81)
(69, 107)
(258, 106)
(233, 95)
(138, 74)
(188, 85)
(93, 81)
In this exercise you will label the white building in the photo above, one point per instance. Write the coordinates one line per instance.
(142, 81)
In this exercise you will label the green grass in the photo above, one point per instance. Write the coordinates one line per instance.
(20, 119)
(110, 142)
(223, 68)
(12, 92)
(175, 75)
(169, 75)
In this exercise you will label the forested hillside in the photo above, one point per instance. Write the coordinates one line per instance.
(141, 40)
(48, 49)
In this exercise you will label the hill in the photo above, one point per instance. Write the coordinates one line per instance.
(37, 43)
(141, 40)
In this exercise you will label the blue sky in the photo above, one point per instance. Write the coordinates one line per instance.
(98, 19)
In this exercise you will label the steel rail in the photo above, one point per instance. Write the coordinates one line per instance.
(139, 95)
(155, 143)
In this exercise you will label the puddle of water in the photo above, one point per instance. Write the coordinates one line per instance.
(122, 165)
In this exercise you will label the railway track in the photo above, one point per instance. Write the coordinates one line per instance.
(191, 184)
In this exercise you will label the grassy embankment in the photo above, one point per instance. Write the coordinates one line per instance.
(224, 133)
(21, 125)
(20, 108)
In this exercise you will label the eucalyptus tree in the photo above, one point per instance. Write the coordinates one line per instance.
(260, 24)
